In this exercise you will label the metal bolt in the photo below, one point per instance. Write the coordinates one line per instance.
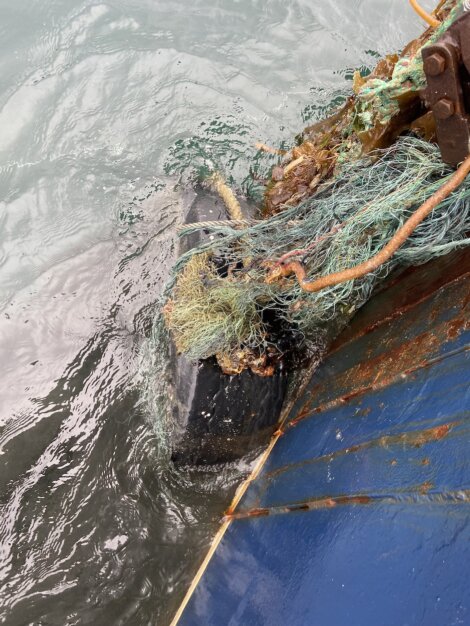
(434, 64)
(444, 109)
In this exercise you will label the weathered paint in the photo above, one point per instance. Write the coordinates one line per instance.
(361, 514)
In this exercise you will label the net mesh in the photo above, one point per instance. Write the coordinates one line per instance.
(219, 301)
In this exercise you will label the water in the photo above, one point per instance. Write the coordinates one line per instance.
(103, 108)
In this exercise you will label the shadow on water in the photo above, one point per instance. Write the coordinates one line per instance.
(95, 524)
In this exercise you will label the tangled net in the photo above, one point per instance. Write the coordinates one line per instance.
(220, 302)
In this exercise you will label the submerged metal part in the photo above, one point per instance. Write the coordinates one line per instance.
(218, 418)
(221, 418)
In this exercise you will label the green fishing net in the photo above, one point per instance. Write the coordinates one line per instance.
(219, 301)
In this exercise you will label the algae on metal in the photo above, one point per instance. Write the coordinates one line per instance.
(383, 106)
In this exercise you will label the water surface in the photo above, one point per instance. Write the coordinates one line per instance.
(108, 113)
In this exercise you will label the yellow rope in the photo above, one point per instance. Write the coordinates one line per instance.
(220, 186)
(427, 17)
(225, 525)
(217, 224)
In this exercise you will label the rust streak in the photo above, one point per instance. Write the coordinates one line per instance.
(413, 438)
(425, 488)
(419, 496)
(406, 291)
(418, 438)
(456, 327)
(313, 505)
(252, 513)
(399, 312)
(385, 371)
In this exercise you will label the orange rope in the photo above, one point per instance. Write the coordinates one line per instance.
(427, 17)
(295, 267)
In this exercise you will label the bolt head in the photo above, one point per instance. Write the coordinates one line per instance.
(434, 64)
(443, 109)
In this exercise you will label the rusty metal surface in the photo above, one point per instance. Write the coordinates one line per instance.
(362, 513)
(447, 68)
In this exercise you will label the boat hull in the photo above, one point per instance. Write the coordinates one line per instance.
(361, 514)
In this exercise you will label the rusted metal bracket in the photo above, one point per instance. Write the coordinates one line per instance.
(447, 69)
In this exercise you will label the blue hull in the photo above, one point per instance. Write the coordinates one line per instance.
(361, 514)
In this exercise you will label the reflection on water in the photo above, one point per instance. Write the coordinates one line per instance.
(102, 106)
